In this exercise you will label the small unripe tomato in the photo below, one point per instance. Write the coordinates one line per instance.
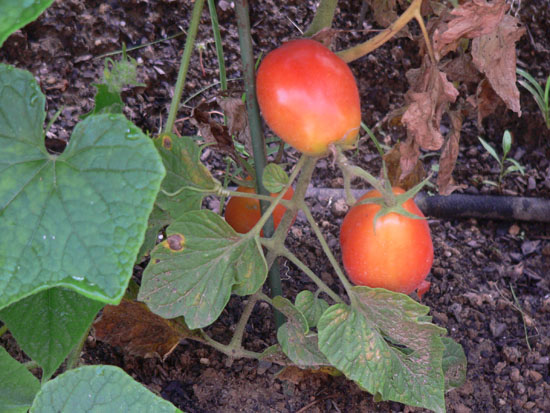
(243, 213)
(308, 97)
(395, 254)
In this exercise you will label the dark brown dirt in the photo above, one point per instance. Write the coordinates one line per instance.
(478, 263)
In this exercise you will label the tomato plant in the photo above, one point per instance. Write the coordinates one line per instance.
(243, 213)
(308, 96)
(395, 253)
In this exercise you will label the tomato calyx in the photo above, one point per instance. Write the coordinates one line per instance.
(391, 202)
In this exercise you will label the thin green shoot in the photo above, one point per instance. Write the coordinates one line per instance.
(507, 165)
(541, 96)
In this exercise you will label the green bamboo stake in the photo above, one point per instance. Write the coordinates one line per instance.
(184, 65)
(258, 140)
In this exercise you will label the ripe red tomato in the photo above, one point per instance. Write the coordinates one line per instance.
(308, 96)
(243, 213)
(397, 256)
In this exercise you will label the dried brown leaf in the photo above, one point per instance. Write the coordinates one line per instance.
(385, 13)
(486, 100)
(237, 120)
(494, 54)
(428, 99)
(395, 173)
(212, 131)
(132, 326)
(472, 19)
(461, 69)
(449, 154)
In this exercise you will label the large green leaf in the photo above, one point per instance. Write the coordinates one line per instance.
(193, 272)
(78, 219)
(15, 14)
(385, 344)
(98, 389)
(48, 324)
(297, 342)
(17, 385)
(187, 180)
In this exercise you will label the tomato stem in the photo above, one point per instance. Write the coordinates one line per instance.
(237, 339)
(325, 247)
(298, 263)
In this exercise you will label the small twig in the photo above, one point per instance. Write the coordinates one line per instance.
(518, 307)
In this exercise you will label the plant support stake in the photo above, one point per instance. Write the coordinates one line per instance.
(258, 142)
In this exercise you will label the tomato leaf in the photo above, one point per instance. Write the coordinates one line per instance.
(383, 343)
(19, 386)
(454, 364)
(310, 306)
(187, 180)
(15, 14)
(193, 272)
(274, 178)
(98, 388)
(47, 342)
(75, 220)
(297, 342)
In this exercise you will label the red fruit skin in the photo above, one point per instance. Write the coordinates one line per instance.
(309, 97)
(397, 256)
(243, 213)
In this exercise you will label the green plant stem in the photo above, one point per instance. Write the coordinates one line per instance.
(184, 65)
(256, 132)
(278, 199)
(227, 350)
(298, 263)
(323, 17)
(326, 248)
(237, 339)
(3, 329)
(218, 43)
(522, 316)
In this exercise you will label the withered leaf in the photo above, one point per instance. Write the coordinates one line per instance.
(395, 175)
(210, 130)
(449, 154)
(237, 120)
(471, 19)
(494, 54)
(427, 100)
(385, 13)
(461, 69)
(132, 326)
(486, 101)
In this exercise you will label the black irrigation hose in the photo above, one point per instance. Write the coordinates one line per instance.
(509, 208)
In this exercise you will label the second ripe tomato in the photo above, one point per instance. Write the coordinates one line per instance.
(308, 97)
(395, 254)
(243, 213)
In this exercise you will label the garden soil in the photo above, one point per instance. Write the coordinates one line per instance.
(490, 279)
